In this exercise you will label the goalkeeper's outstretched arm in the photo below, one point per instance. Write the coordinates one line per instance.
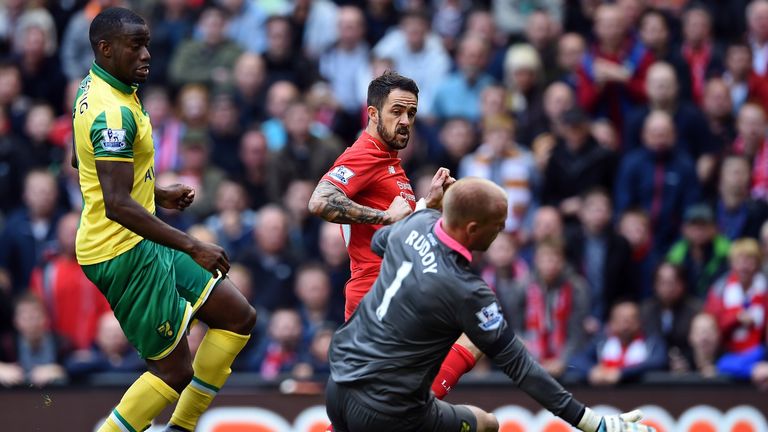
(511, 355)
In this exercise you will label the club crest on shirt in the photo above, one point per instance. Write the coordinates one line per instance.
(113, 139)
(490, 317)
(391, 169)
(165, 330)
(342, 174)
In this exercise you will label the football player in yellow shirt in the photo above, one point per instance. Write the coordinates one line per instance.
(156, 278)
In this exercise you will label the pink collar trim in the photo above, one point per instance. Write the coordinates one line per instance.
(450, 241)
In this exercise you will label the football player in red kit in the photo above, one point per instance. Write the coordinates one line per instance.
(367, 188)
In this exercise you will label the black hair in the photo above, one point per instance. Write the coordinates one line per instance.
(28, 297)
(311, 266)
(740, 44)
(596, 190)
(680, 272)
(277, 18)
(109, 23)
(8, 64)
(624, 299)
(656, 12)
(216, 8)
(381, 87)
(636, 211)
(698, 6)
(419, 14)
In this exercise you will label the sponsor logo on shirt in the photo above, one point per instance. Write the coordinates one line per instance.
(490, 317)
(342, 174)
(113, 139)
(404, 185)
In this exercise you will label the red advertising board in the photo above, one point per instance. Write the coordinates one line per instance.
(239, 409)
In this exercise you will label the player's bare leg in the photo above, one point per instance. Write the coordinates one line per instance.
(230, 320)
(460, 360)
(486, 422)
(152, 391)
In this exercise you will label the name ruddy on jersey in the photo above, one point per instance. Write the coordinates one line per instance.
(422, 244)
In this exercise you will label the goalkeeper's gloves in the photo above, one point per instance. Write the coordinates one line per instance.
(627, 422)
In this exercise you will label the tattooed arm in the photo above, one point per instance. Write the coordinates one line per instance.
(330, 203)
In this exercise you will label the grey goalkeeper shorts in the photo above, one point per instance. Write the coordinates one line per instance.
(348, 413)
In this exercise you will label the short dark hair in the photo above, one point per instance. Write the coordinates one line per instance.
(277, 18)
(656, 12)
(381, 87)
(419, 14)
(697, 6)
(680, 273)
(596, 190)
(10, 66)
(636, 211)
(28, 298)
(622, 301)
(738, 44)
(311, 266)
(109, 22)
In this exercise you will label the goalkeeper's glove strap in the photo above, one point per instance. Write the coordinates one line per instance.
(591, 422)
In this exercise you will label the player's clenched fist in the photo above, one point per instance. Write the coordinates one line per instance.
(398, 209)
(440, 182)
(627, 422)
(211, 257)
(174, 197)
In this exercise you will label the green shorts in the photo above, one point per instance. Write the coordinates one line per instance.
(154, 291)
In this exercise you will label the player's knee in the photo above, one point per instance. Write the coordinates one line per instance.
(492, 423)
(248, 321)
(177, 377)
(486, 422)
(241, 323)
(241, 316)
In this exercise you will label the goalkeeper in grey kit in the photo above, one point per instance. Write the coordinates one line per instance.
(384, 358)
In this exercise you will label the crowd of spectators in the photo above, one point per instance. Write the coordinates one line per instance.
(630, 136)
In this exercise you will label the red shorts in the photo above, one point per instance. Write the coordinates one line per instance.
(354, 291)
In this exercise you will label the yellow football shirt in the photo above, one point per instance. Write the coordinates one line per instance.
(109, 123)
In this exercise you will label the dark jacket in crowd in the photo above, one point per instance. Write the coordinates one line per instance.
(673, 324)
(568, 174)
(20, 252)
(692, 130)
(664, 185)
(618, 264)
(743, 221)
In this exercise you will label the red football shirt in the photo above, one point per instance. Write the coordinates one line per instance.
(73, 301)
(370, 175)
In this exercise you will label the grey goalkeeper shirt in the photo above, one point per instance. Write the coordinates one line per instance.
(425, 297)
